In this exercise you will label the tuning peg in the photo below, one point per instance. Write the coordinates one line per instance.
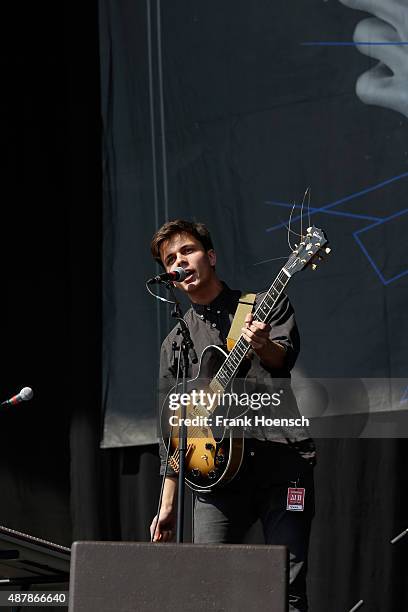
(314, 266)
(327, 250)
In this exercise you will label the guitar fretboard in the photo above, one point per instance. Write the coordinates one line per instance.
(230, 366)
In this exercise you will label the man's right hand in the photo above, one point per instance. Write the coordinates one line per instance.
(165, 529)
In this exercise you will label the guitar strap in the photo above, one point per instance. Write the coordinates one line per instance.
(245, 306)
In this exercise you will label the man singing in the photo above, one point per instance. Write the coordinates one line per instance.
(272, 464)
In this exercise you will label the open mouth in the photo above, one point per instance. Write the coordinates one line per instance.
(189, 276)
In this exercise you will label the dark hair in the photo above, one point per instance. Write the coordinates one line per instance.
(198, 230)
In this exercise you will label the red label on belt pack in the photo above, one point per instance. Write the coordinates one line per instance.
(296, 499)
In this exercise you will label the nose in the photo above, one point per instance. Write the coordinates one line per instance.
(181, 261)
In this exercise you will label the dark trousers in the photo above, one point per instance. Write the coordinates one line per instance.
(260, 492)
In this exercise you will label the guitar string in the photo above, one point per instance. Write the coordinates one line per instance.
(289, 228)
(241, 340)
(195, 431)
(198, 432)
(301, 214)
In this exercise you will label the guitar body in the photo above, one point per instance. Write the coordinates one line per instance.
(214, 453)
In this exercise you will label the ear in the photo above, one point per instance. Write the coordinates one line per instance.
(212, 257)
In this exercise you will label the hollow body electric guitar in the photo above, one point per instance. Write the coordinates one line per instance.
(214, 450)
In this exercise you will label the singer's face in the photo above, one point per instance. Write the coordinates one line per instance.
(185, 251)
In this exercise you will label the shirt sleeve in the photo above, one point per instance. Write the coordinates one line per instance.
(284, 330)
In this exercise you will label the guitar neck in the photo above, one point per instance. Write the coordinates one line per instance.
(263, 313)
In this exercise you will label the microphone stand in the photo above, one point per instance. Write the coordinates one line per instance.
(187, 353)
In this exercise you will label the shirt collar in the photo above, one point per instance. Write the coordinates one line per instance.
(226, 300)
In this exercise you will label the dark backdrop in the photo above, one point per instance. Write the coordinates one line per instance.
(56, 482)
(224, 113)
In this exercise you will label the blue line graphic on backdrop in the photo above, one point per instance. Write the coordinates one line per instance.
(328, 209)
(370, 259)
(330, 205)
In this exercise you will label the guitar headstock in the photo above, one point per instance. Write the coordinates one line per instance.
(311, 250)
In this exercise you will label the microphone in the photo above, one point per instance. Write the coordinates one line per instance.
(178, 274)
(25, 394)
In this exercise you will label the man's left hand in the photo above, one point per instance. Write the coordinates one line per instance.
(256, 334)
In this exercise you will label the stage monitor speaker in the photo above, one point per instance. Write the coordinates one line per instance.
(143, 577)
